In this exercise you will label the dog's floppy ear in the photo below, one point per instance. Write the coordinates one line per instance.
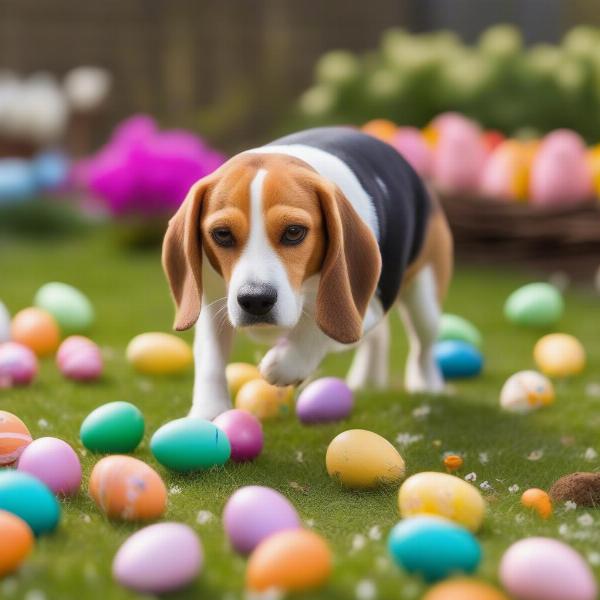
(350, 269)
(182, 257)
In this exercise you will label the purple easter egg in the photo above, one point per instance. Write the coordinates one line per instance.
(253, 513)
(324, 400)
(18, 364)
(159, 558)
(54, 463)
(79, 358)
(244, 432)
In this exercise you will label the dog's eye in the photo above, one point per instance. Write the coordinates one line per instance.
(223, 237)
(293, 235)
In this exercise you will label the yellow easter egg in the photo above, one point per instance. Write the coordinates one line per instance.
(17, 542)
(559, 355)
(362, 459)
(263, 400)
(463, 589)
(238, 374)
(382, 129)
(443, 495)
(159, 353)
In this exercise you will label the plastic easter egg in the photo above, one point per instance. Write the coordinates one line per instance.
(54, 463)
(409, 142)
(433, 547)
(362, 459)
(29, 499)
(442, 495)
(126, 488)
(382, 129)
(538, 500)
(159, 558)
(559, 355)
(539, 568)
(457, 359)
(506, 172)
(190, 444)
(325, 400)
(244, 432)
(17, 542)
(463, 589)
(526, 391)
(70, 307)
(17, 181)
(79, 359)
(18, 364)
(4, 324)
(114, 427)
(454, 327)
(159, 354)
(291, 561)
(534, 305)
(238, 374)
(263, 400)
(253, 513)
(36, 329)
(14, 438)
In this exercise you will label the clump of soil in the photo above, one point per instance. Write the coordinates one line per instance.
(581, 488)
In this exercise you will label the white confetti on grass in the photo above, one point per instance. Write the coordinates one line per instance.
(406, 439)
(594, 558)
(359, 541)
(204, 516)
(486, 486)
(535, 455)
(366, 590)
(513, 489)
(43, 424)
(375, 533)
(570, 505)
(585, 520)
(484, 458)
(590, 455)
(421, 411)
(471, 476)
(175, 490)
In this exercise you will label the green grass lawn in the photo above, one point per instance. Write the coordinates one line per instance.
(130, 296)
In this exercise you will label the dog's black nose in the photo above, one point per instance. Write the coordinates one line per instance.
(257, 298)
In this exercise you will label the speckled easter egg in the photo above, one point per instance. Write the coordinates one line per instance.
(126, 488)
(4, 324)
(325, 400)
(70, 307)
(79, 358)
(159, 353)
(526, 391)
(539, 568)
(238, 374)
(291, 561)
(18, 364)
(463, 589)
(114, 427)
(559, 355)
(14, 438)
(29, 499)
(244, 432)
(454, 327)
(158, 559)
(253, 513)
(457, 359)
(362, 459)
(263, 400)
(443, 495)
(535, 305)
(37, 329)
(190, 444)
(17, 542)
(433, 547)
(54, 463)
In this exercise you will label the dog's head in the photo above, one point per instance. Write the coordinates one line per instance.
(267, 223)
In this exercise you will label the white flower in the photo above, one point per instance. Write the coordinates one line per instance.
(174, 490)
(359, 541)
(310, 523)
(485, 485)
(564, 530)
(570, 505)
(204, 516)
(375, 532)
(471, 477)
(535, 455)
(590, 455)
(366, 590)
(42, 424)
(299, 456)
(484, 458)
(585, 520)
(513, 489)
(520, 518)
(421, 411)
(594, 558)
(593, 390)
(405, 439)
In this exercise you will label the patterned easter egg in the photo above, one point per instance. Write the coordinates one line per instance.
(526, 391)
(159, 353)
(14, 438)
(79, 358)
(17, 542)
(18, 365)
(37, 329)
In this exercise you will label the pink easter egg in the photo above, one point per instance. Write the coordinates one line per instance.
(18, 364)
(410, 143)
(53, 462)
(244, 432)
(80, 359)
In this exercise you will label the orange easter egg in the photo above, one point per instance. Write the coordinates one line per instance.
(126, 488)
(538, 500)
(463, 589)
(263, 400)
(14, 437)
(382, 129)
(17, 542)
(291, 561)
(36, 329)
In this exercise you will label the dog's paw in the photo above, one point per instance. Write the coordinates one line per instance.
(209, 403)
(283, 365)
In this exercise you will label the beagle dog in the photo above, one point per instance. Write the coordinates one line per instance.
(311, 240)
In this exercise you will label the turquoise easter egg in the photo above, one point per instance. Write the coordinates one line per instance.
(535, 305)
(433, 547)
(71, 308)
(190, 444)
(457, 359)
(28, 498)
(454, 327)
(115, 427)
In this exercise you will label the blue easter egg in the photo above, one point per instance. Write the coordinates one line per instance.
(50, 169)
(28, 498)
(458, 359)
(433, 547)
(17, 180)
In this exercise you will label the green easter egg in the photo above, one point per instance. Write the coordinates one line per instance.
(114, 427)
(190, 444)
(71, 308)
(453, 327)
(534, 305)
